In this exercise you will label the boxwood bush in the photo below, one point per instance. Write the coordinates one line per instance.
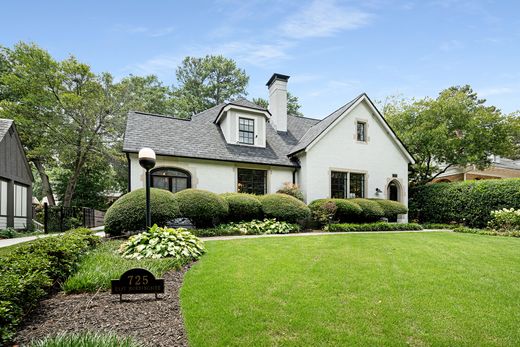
(202, 207)
(242, 207)
(128, 213)
(346, 210)
(371, 210)
(468, 203)
(391, 208)
(285, 208)
(30, 270)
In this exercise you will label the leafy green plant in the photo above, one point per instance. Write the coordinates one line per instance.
(346, 210)
(371, 210)
(291, 189)
(284, 207)
(489, 232)
(391, 208)
(162, 243)
(323, 211)
(469, 203)
(380, 226)
(255, 227)
(128, 213)
(85, 339)
(8, 233)
(202, 207)
(242, 207)
(439, 226)
(31, 269)
(505, 219)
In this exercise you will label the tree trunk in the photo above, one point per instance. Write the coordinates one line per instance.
(46, 186)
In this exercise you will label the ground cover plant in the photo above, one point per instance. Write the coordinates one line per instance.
(420, 289)
(105, 263)
(159, 243)
(489, 232)
(32, 269)
(379, 226)
(86, 339)
(256, 227)
(127, 214)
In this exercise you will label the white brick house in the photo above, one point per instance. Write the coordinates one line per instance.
(240, 146)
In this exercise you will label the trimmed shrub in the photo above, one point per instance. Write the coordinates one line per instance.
(202, 207)
(291, 189)
(468, 203)
(505, 219)
(31, 269)
(128, 213)
(391, 208)
(285, 208)
(439, 226)
(345, 210)
(371, 210)
(162, 243)
(242, 207)
(380, 226)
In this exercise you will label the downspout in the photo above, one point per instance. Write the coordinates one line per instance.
(294, 176)
(129, 169)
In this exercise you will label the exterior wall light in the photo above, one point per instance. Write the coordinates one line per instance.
(147, 161)
(378, 191)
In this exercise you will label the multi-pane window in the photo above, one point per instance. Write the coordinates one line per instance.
(357, 185)
(246, 131)
(3, 204)
(173, 180)
(344, 185)
(252, 181)
(361, 128)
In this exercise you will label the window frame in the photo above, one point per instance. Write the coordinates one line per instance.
(347, 184)
(170, 177)
(364, 137)
(253, 171)
(248, 132)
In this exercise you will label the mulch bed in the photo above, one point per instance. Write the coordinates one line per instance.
(151, 322)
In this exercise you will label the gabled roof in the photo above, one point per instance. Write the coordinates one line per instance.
(201, 138)
(243, 104)
(314, 133)
(5, 125)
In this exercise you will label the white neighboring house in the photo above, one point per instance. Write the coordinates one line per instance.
(240, 146)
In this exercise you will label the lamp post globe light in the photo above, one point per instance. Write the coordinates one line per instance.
(147, 161)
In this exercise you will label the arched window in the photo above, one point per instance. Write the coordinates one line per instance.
(393, 191)
(171, 179)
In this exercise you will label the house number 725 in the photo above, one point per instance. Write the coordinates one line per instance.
(137, 280)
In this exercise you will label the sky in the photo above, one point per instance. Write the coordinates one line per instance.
(333, 50)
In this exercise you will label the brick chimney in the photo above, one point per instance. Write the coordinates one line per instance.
(277, 86)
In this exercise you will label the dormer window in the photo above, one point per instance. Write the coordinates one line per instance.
(246, 131)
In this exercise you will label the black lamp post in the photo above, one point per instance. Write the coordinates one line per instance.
(147, 161)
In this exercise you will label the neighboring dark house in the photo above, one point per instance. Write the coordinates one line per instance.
(15, 180)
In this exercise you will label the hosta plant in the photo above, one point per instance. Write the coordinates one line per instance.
(163, 242)
(255, 227)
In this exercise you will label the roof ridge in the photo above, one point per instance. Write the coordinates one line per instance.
(159, 115)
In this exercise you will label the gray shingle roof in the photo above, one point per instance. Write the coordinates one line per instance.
(201, 138)
(5, 124)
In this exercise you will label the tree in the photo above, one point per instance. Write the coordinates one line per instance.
(455, 129)
(206, 82)
(293, 106)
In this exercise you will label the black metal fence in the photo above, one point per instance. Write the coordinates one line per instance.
(59, 218)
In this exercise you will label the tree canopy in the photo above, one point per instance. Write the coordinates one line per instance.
(455, 129)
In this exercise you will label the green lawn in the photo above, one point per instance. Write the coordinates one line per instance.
(417, 289)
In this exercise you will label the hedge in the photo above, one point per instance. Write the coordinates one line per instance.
(202, 207)
(242, 207)
(391, 208)
(469, 202)
(128, 213)
(380, 226)
(285, 208)
(346, 210)
(371, 210)
(31, 270)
